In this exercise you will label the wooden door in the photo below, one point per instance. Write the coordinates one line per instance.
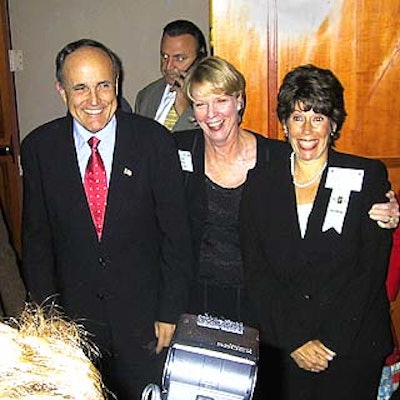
(10, 176)
(240, 33)
(358, 40)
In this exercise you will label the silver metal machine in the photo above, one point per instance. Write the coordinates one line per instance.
(209, 359)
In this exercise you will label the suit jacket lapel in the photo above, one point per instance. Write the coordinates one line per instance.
(124, 166)
(282, 198)
(322, 197)
(155, 99)
(69, 177)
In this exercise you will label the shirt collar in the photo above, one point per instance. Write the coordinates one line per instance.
(82, 135)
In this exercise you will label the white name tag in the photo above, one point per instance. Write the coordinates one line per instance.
(186, 160)
(342, 181)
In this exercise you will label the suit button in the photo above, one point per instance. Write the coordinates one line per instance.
(100, 296)
(307, 297)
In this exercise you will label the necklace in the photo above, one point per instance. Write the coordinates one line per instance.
(311, 181)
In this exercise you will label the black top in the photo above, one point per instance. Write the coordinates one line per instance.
(214, 218)
(220, 262)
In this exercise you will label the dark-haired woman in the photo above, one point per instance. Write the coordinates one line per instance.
(314, 263)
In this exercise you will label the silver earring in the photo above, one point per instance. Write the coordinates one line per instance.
(285, 131)
(333, 133)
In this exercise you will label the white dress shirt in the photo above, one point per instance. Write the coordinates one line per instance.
(167, 101)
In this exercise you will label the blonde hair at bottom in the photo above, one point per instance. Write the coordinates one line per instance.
(45, 356)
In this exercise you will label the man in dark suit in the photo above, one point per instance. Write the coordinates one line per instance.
(126, 275)
(182, 45)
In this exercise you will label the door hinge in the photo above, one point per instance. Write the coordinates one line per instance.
(16, 60)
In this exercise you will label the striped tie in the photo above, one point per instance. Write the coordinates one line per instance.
(171, 118)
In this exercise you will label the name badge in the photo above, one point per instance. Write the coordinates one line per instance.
(186, 160)
(342, 181)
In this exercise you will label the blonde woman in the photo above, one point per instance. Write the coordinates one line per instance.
(216, 158)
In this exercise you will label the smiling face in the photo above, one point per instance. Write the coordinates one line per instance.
(216, 113)
(309, 133)
(89, 87)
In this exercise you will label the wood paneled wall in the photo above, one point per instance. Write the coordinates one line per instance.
(358, 40)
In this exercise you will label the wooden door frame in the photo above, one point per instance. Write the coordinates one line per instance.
(10, 170)
(272, 65)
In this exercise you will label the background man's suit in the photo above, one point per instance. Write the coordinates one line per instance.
(148, 100)
(138, 273)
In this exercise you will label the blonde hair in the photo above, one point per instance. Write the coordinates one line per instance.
(44, 356)
(219, 74)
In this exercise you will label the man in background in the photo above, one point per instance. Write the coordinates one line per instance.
(182, 45)
(105, 231)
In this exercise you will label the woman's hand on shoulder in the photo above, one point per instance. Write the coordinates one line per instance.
(386, 214)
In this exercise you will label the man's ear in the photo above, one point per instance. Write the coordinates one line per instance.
(202, 53)
(61, 90)
(116, 85)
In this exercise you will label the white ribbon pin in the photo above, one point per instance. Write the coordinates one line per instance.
(342, 181)
(186, 160)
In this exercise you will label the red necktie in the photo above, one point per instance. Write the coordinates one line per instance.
(95, 183)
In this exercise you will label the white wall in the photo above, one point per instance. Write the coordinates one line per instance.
(131, 28)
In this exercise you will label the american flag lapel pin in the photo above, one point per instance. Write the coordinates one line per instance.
(127, 172)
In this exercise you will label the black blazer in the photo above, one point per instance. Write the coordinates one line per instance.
(139, 271)
(193, 141)
(327, 286)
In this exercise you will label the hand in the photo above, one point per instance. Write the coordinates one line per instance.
(386, 214)
(164, 332)
(313, 356)
(181, 101)
(179, 79)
